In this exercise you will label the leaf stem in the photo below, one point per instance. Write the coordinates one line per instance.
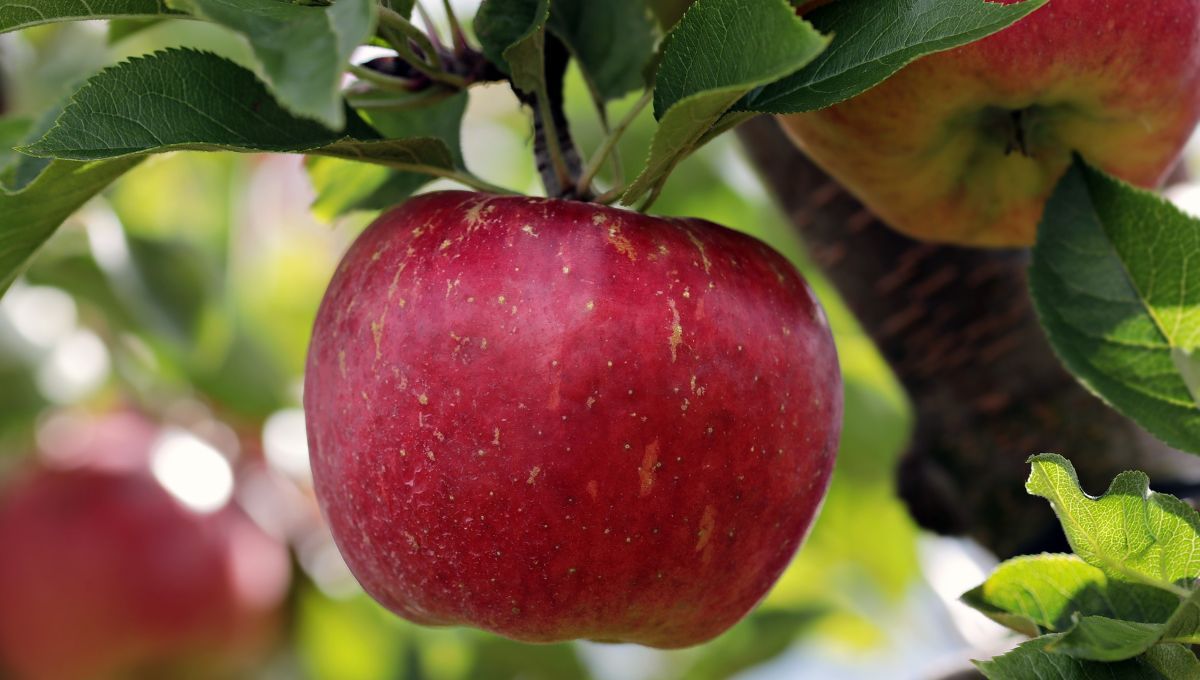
(435, 38)
(609, 145)
(654, 194)
(383, 80)
(463, 177)
(391, 20)
(609, 197)
(457, 35)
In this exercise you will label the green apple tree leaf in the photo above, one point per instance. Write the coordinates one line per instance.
(612, 41)
(1033, 659)
(18, 14)
(12, 132)
(1044, 593)
(1130, 533)
(718, 52)
(1172, 661)
(1187, 361)
(191, 100)
(29, 217)
(120, 29)
(343, 186)
(1184, 624)
(303, 50)
(1115, 282)
(1099, 638)
(872, 40)
(187, 100)
(403, 7)
(512, 34)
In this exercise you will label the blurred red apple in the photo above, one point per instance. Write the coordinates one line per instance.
(104, 574)
(965, 146)
(556, 420)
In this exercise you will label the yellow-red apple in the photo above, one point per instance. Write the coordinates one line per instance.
(965, 146)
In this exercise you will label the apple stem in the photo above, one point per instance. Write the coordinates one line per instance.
(558, 160)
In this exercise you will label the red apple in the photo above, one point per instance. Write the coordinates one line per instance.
(105, 575)
(556, 420)
(965, 146)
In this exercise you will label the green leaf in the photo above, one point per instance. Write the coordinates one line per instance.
(1174, 662)
(612, 41)
(1033, 660)
(873, 39)
(30, 216)
(1130, 533)
(1044, 593)
(12, 133)
(718, 52)
(344, 186)
(1098, 638)
(17, 14)
(21, 170)
(403, 7)
(512, 34)
(1114, 281)
(1187, 362)
(191, 100)
(668, 12)
(303, 49)
(1184, 625)
(121, 29)
(187, 100)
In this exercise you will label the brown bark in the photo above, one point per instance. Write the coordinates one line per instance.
(959, 329)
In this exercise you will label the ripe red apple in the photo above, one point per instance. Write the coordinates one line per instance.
(557, 420)
(105, 575)
(965, 146)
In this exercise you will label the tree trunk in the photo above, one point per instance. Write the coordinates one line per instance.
(959, 329)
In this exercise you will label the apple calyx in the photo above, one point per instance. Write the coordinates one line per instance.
(1018, 139)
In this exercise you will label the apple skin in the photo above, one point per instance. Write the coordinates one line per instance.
(556, 420)
(104, 575)
(930, 149)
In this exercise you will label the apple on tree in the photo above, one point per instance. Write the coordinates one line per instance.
(965, 146)
(106, 575)
(556, 420)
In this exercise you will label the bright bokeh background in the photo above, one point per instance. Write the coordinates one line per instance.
(188, 290)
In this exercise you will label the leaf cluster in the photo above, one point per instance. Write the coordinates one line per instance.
(722, 62)
(1125, 604)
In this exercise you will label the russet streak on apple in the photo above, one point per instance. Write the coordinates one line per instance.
(965, 146)
(555, 420)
